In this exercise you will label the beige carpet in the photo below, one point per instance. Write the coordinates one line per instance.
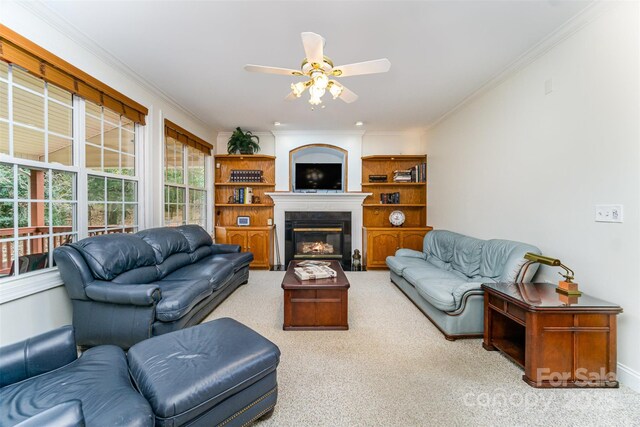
(394, 368)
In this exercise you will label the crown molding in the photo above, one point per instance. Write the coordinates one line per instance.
(566, 30)
(40, 9)
(318, 132)
(414, 133)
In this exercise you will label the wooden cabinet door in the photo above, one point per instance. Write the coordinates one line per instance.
(237, 237)
(412, 239)
(258, 243)
(381, 244)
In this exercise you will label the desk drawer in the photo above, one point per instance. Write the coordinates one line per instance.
(516, 311)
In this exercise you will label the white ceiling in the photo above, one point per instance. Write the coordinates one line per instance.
(440, 52)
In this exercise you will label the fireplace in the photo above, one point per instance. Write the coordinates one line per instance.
(318, 235)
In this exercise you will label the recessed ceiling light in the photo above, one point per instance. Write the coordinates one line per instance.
(359, 123)
(277, 123)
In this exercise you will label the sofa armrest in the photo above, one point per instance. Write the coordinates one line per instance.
(37, 355)
(142, 295)
(67, 414)
(410, 253)
(460, 292)
(221, 248)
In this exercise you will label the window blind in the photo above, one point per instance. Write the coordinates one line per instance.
(179, 134)
(16, 49)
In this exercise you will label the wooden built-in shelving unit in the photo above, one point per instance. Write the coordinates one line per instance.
(380, 237)
(257, 237)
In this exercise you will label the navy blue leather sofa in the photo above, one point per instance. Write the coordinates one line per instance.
(125, 288)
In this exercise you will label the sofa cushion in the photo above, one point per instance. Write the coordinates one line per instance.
(502, 259)
(195, 235)
(201, 252)
(398, 264)
(99, 379)
(467, 253)
(439, 292)
(439, 243)
(141, 275)
(414, 274)
(180, 296)
(173, 263)
(165, 241)
(109, 255)
(216, 271)
(237, 259)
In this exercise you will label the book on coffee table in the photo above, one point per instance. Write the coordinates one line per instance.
(313, 272)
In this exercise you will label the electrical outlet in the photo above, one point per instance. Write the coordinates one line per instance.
(609, 213)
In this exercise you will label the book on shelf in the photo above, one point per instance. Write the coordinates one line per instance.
(242, 175)
(377, 178)
(314, 271)
(390, 198)
(417, 173)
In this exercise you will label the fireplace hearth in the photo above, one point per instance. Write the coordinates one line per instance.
(318, 235)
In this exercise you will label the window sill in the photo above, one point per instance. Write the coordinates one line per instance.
(12, 289)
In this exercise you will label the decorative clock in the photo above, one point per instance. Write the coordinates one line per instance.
(396, 218)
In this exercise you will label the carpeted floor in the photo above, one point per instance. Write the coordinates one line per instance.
(394, 368)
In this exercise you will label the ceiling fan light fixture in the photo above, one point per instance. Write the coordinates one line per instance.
(316, 95)
(320, 79)
(298, 88)
(335, 89)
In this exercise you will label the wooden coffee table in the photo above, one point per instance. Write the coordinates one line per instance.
(315, 304)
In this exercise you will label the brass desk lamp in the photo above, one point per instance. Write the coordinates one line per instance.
(566, 286)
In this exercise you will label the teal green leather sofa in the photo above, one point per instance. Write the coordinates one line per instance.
(444, 280)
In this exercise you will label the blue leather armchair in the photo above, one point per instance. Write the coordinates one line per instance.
(217, 373)
(43, 382)
(125, 288)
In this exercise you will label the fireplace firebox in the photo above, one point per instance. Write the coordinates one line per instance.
(318, 235)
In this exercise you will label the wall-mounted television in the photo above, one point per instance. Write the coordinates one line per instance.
(318, 176)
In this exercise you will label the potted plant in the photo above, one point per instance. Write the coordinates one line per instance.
(244, 142)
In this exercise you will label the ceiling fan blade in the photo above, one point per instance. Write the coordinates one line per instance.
(272, 70)
(347, 96)
(313, 47)
(368, 67)
(291, 97)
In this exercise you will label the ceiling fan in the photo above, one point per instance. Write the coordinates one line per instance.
(321, 71)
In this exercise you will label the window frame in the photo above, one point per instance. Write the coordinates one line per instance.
(21, 285)
(208, 158)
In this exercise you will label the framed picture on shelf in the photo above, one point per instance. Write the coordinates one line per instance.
(243, 221)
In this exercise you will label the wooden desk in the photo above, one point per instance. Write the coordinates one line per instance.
(315, 304)
(559, 342)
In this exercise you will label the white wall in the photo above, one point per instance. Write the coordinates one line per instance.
(520, 164)
(46, 310)
(381, 143)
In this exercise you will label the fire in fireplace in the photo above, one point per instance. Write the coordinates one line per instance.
(314, 242)
(318, 235)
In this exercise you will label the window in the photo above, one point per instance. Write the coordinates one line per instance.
(68, 161)
(110, 157)
(110, 141)
(112, 205)
(185, 193)
(38, 188)
(40, 196)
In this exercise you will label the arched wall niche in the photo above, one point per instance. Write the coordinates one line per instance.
(319, 153)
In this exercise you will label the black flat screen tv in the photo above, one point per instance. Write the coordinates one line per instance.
(318, 176)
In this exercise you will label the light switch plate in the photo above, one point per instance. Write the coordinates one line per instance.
(609, 213)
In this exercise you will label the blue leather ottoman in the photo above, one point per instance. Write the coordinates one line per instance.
(217, 373)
